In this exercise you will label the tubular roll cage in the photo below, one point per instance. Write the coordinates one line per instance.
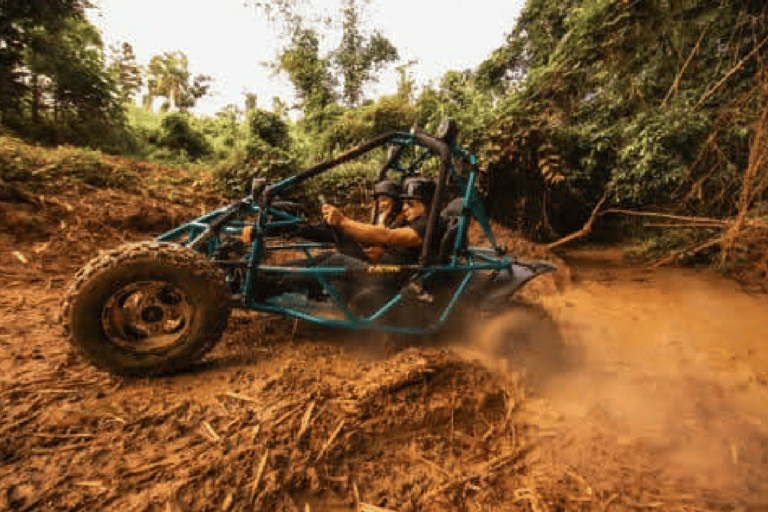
(203, 235)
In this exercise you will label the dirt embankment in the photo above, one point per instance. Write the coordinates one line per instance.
(624, 390)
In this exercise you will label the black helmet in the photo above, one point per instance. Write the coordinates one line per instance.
(389, 188)
(419, 188)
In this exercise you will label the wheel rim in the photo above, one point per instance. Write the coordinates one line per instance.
(147, 316)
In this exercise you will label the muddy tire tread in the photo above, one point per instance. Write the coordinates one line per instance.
(180, 256)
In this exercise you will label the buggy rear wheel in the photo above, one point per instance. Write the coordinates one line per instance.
(146, 309)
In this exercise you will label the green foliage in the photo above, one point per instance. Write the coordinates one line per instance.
(457, 97)
(142, 118)
(358, 125)
(658, 243)
(181, 139)
(356, 62)
(268, 127)
(57, 89)
(224, 131)
(233, 176)
(308, 72)
(659, 150)
(652, 98)
(358, 58)
(268, 153)
(348, 184)
(125, 71)
(20, 26)
(169, 77)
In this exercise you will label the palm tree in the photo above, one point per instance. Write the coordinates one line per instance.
(169, 77)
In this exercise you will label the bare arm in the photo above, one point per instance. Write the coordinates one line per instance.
(367, 233)
(379, 235)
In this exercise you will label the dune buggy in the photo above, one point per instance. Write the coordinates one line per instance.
(156, 307)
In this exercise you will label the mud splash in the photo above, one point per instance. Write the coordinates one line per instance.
(654, 382)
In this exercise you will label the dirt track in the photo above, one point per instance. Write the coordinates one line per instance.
(626, 391)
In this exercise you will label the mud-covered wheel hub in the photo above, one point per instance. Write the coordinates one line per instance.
(147, 316)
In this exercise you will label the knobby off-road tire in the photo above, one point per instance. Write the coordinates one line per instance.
(145, 309)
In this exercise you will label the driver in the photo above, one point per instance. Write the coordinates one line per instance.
(401, 241)
(387, 212)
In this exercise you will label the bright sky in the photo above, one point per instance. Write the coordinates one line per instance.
(228, 40)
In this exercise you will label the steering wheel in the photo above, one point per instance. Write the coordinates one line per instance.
(333, 229)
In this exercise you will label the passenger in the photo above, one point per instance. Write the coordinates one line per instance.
(388, 210)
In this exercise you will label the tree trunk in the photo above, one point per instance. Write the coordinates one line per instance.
(35, 98)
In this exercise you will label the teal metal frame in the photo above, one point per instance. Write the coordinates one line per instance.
(207, 232)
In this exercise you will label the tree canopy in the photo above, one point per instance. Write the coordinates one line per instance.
(168, 76)
(655, 100)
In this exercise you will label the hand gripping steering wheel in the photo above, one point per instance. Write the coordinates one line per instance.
(333, 229)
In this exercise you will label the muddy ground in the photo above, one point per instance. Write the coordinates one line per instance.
(607, 388)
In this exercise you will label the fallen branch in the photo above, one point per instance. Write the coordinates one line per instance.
(210, 433)
(285, 416)
(676, 83)
(305, 422)
(356, 496)
(146, 468)
(330, 440)
(45, 435)
(730, 73)
(20, 257)
(435, 466)
(757, 156)
(587, 228)
(259, 472)
(693, 250)
(693, 225)
(481, 471)
(367, 507)
(681, 218)
(95, 414)
(238, 396)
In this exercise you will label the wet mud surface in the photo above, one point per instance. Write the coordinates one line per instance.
(608, 388)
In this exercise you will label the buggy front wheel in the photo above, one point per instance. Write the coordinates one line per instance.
(146, 309)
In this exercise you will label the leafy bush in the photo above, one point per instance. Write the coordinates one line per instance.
(233, 176)
(659, 148)
(177, 135)
(355, 126)
(269, 128)
(350, 183)
(267, 154)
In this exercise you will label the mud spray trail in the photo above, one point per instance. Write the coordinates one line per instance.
(625, 390)
(638, 375)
